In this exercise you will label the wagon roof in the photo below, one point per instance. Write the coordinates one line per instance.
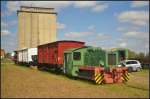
(63, 41)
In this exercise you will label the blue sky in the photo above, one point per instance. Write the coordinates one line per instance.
(107, 24)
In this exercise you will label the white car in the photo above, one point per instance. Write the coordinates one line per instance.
(133, 65)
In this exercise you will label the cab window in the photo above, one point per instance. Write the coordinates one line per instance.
(76, 55)
(131, 62)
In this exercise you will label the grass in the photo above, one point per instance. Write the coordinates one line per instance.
(23, 82)
(6, 60)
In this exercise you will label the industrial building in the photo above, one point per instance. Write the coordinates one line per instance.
(36, 26)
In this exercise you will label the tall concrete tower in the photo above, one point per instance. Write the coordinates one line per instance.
(36, 26)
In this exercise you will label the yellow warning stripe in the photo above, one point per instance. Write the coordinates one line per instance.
(99, 79)
(125, 78)
(99, 82)
(97, 76)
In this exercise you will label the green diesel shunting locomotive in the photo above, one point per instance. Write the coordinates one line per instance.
(91, 56)
(85, 56)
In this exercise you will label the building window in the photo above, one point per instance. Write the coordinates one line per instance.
(76, 55)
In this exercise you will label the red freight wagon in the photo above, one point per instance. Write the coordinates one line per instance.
(51, 54)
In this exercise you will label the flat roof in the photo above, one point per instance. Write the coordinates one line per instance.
(36, 12)
(40, 8)
(36, 7)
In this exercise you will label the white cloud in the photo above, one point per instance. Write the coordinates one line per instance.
(61, 26)
(137, 35)
(3, 25)
(121, 29)
(99, 8)
(128, 28)
(92, 28)
(5, 32)
(83, 4)
(123, 44)
(138, 18)
(134, 40)
(10, 24)
(2, 14)
(101, 36)
(78, 34)
(132, 36)
(13, 6)
(136, 4)
(94, 5)
(51, 4)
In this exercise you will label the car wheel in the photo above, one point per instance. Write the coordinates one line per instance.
(138, 69)
(130, 69)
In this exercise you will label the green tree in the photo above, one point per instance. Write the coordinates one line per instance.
(141, 57)
(132, 54)
(8, 55)
(146, 59)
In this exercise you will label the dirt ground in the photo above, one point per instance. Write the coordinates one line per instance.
(24, 82)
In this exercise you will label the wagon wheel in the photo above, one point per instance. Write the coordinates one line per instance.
(40, 68)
